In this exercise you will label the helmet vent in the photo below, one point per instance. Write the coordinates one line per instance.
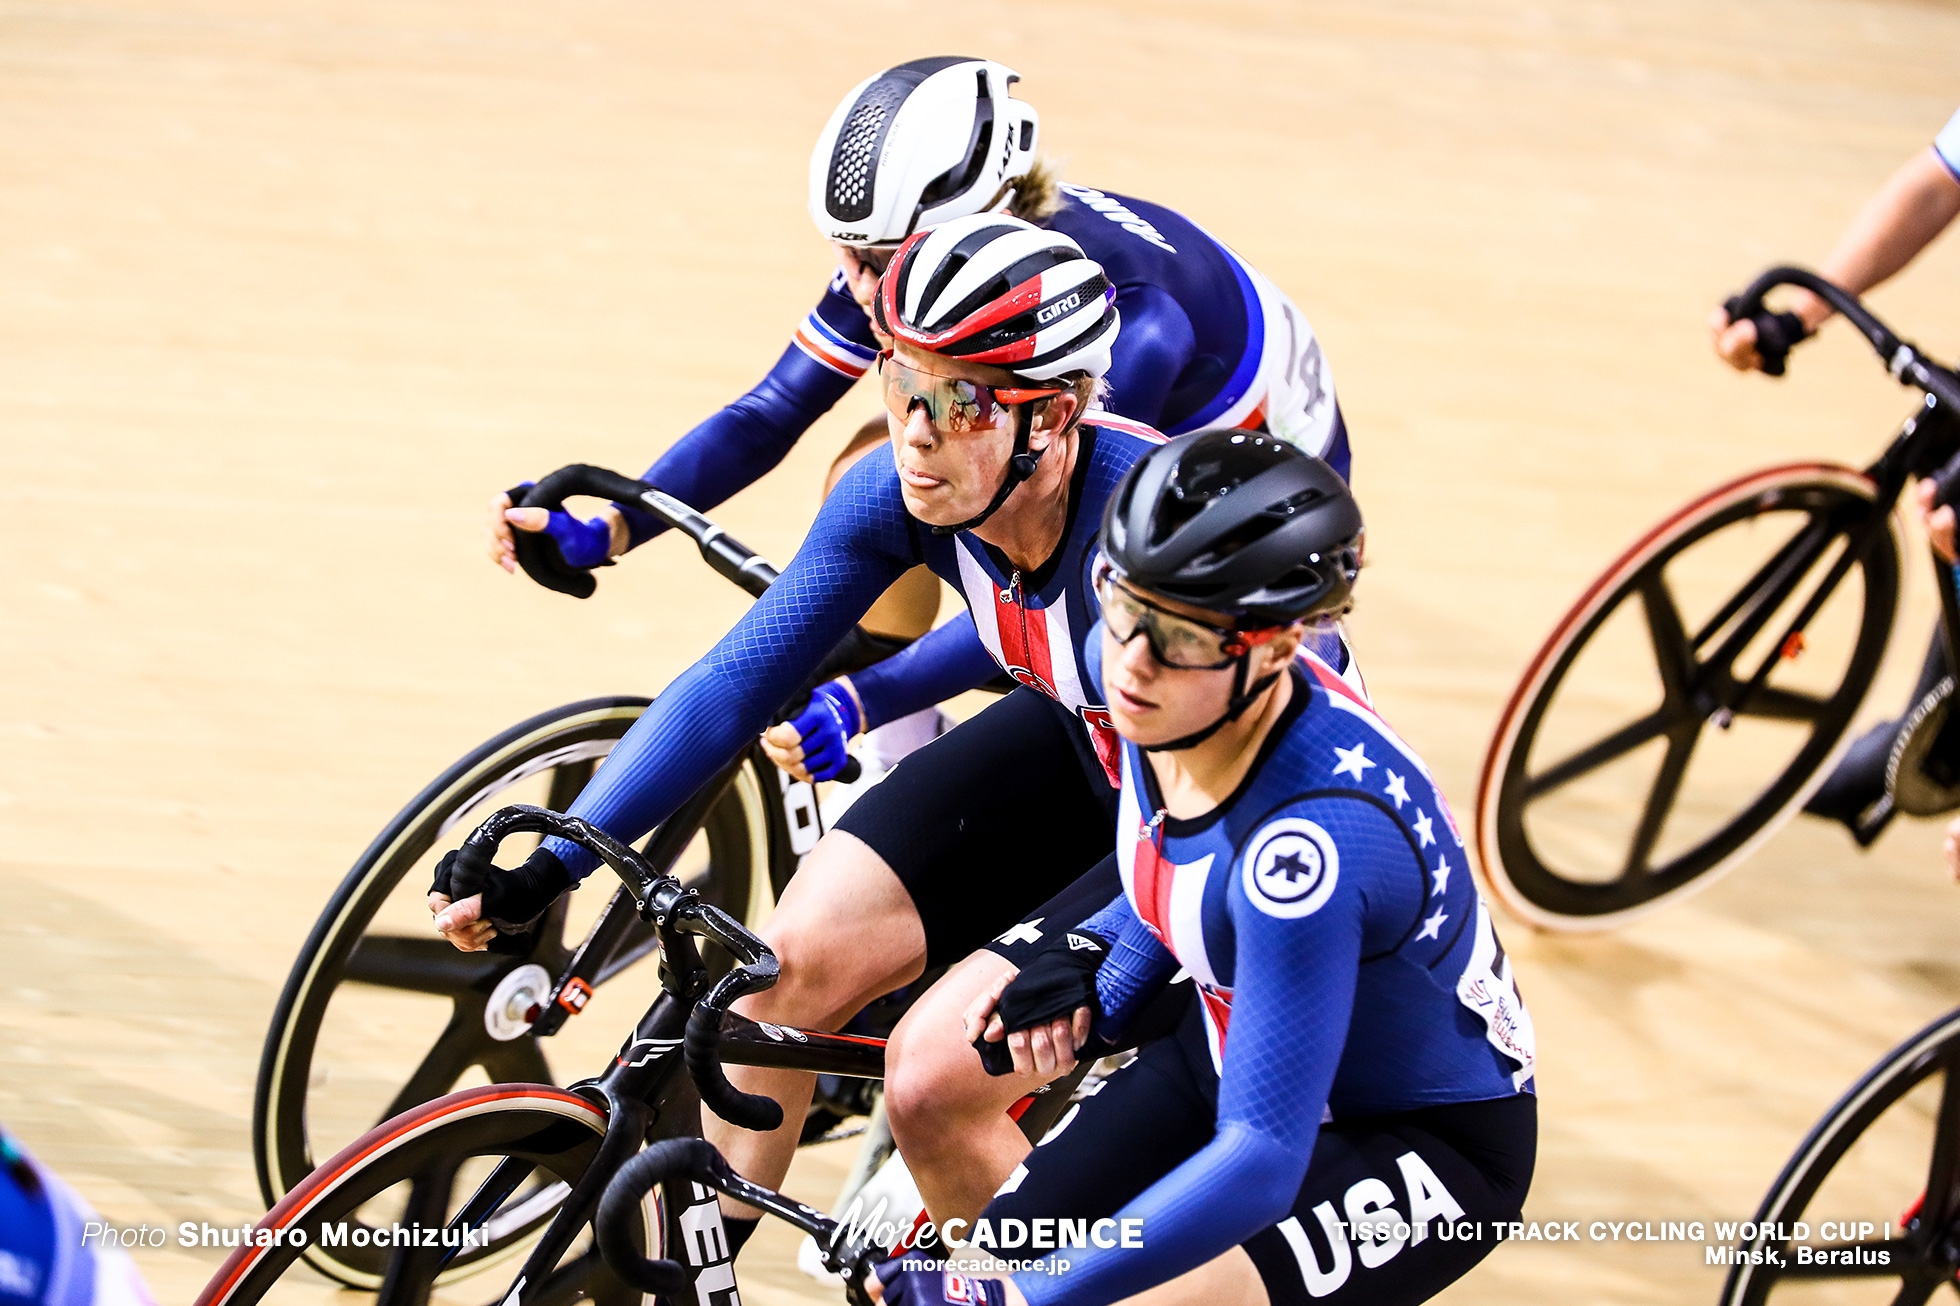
(851, 163)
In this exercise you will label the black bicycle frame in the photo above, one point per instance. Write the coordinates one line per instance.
(686, 1035)
(1928, 445)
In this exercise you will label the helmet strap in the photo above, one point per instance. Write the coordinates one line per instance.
(1242, 698)
(1020, 467)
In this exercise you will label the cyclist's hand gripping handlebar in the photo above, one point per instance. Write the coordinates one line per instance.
(696, 1159)
(662, 901)
(542, 561)
(1902, 358)
(1776, 333)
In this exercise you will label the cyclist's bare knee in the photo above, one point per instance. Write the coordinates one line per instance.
(931, 1069)
(845, 931)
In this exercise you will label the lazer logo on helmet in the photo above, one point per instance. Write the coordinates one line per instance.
(1052, 311)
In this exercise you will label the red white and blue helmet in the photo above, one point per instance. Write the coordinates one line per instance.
(996, 290)
(921, 143)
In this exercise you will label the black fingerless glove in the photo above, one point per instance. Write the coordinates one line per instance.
(1056, 980)
(512, 900)
(1776, 335)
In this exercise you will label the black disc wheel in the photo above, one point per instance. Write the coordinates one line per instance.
(380, 1014)
(498, 1158)
(1691, 700)
(1868, 1210)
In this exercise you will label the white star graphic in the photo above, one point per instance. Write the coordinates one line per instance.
(1433, 927)
(1398, 788)
(1353, 761)
(1442, 874)
(1425, 828)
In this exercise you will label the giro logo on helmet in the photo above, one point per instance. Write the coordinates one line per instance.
(1050, 312)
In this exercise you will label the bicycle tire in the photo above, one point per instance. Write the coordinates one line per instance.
(563, 743)
(1514, 871)
(559, 1131)
(1922, 1267)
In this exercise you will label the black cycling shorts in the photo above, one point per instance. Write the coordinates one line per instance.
(991, 820)
(1155, 1112)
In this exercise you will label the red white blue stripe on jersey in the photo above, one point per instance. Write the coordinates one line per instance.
(844, 357)
(1036, 642)
(1110, 421)
(1169, 896)
(1169, 899)
(1025, 637)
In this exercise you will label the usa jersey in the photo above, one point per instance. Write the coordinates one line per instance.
(1038, 622)
(1327, 915)
(1036, 625)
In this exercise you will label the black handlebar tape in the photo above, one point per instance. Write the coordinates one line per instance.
(1776, 334)
(540, 557)
(747, 1110)
(470, 869)
(1946, 481)
(1750, 302)
(537, 552)
(620, 1216)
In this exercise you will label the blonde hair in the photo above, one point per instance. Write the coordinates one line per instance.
(1037, 192)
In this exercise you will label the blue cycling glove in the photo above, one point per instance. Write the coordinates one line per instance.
(826, 725)
(937, 1286)
(582, 543)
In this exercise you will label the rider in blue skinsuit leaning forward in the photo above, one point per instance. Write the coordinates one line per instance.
(1359, 1054)
(1206, 341)
(996, 479)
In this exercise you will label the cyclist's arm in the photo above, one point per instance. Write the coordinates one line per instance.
(1291, 1004)
(1154, 346)
(943, 662)
(742, 442)
(1914, 206)
(862, 541)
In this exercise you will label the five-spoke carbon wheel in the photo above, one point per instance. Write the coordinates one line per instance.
(1691, 700)
(380, 1015)
(498, 1159)
(1868, 1210)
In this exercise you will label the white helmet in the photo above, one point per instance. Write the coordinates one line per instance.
(926, 141)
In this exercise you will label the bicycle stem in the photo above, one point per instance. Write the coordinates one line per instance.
(663, 850)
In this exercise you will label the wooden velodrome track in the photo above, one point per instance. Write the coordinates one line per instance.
(288, 288)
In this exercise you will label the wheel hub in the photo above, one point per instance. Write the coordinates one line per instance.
(507, 1015)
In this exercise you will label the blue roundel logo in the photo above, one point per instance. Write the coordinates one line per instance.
(1292, 868)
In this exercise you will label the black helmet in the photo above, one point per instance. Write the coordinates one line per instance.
(1236, 522)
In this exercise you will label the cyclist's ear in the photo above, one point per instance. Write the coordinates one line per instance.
(1285, 644)
(1053, 414)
